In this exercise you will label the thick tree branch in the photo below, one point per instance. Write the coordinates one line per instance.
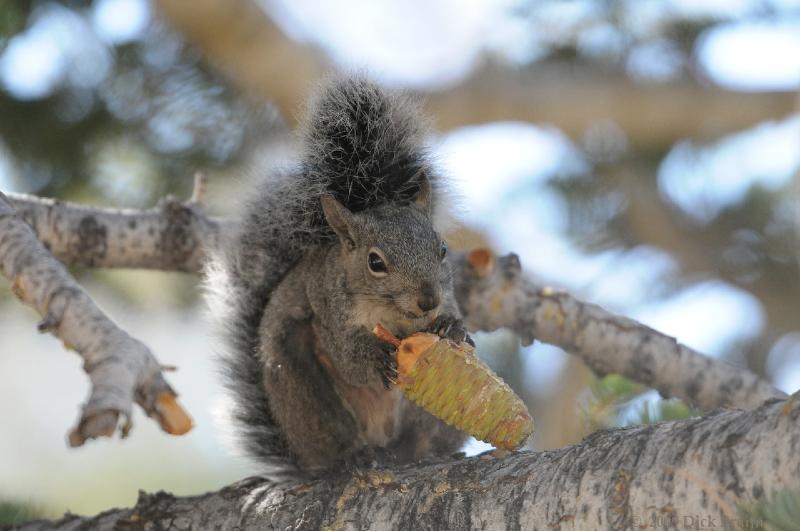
(653, 116)
(494, 294)
(490, 298)
(120, 367)
(626, 478)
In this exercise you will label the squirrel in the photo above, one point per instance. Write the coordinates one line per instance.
(323, 251)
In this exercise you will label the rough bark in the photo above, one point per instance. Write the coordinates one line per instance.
(490, 298)
(121, 368)
(240, 38)
(665, 476)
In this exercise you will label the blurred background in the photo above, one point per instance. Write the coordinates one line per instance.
(644, 155)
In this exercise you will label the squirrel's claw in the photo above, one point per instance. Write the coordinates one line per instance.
(451, 328)
(388, 365)
(442, 325)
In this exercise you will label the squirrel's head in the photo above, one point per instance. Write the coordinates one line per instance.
(393, 258)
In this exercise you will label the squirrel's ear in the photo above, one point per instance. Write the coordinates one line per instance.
(339, 218)
(423, 197)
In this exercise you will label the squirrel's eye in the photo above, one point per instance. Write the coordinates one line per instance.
(443, 251)
(376, 264)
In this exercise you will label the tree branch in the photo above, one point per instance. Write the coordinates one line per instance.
(121, 368)
(653, 116)
(619, 479)
(490, 298)
(171, 237)
(493, 294)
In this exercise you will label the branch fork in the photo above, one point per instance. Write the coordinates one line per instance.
(121, 369)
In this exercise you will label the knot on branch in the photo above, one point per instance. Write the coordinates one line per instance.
(177, 241)
(89, 242)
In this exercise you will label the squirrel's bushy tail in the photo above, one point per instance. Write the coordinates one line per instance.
(358, 143)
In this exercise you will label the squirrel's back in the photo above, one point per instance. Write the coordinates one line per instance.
(360, 144)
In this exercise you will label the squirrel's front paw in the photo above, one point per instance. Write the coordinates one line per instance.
(386, 362)
(365, 360)
(450, 327)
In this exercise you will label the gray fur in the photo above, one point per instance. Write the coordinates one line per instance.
(306, 374)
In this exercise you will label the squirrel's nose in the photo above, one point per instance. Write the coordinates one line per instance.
(428, 298)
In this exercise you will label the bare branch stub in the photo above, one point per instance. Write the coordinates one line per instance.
(200, 189)
(121, 369)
